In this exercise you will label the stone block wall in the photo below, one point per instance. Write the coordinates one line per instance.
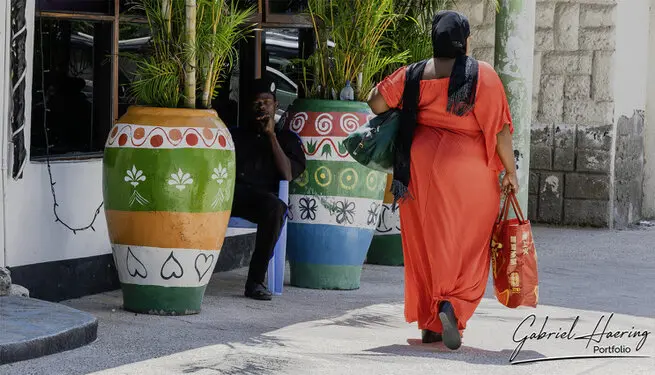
(573, 112)
(629, 170)
(482, 17)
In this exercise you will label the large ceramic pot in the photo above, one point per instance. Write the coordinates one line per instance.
(335, 203)
(168, 182)
(387, 248)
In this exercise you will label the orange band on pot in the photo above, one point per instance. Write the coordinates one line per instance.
(201, 231)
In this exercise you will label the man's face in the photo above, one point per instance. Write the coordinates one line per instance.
(264, 105)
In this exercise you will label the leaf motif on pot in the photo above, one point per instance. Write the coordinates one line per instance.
(342, 148)
(221, 196)
(327, 150)
(180, 180)
(311, 147)
(134, 176)
(138, 198)
(220, 174)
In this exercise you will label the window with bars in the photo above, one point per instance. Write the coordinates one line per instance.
(81, 84)
(72, 86)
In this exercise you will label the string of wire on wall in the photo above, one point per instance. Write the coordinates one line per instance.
(55, 204)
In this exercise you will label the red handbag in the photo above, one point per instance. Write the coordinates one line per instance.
(514, 258)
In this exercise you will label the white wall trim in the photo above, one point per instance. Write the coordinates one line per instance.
(5, 63)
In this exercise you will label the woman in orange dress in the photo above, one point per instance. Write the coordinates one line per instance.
(461, 143)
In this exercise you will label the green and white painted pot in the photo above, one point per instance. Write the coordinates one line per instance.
(168, 182)
(387, 247)
(335, 204)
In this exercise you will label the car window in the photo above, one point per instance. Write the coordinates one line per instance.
(281, 83)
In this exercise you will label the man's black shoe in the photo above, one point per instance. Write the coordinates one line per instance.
(258, 292)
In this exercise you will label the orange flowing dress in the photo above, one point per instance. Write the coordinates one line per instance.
(446, 228)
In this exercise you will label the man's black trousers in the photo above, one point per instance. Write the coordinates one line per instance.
(267, 211)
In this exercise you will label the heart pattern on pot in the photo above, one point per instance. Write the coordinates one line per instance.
(203, 263)
(171, 268)
(134, 266)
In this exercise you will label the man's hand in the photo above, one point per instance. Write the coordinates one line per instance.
(268, 124)
(510, 183)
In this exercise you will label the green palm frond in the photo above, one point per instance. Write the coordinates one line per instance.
(357, 28)
(157, 83)
(161, 77)
(220, 30)
(412, 31)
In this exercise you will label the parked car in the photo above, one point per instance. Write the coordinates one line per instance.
(287, 90)
(282, 47)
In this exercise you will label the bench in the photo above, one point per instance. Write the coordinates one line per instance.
(277, 264)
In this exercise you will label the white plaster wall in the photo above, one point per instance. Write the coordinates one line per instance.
(649, 130)
(32, 235)
(631, 56)
(630, 67)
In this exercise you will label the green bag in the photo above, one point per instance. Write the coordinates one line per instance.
(373, 144)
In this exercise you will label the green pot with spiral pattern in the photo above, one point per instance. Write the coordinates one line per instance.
(335, 204)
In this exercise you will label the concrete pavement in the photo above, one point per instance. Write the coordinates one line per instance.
(583, 272)
(376, 340)
(31, 328)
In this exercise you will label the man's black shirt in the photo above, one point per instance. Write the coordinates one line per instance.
(255, 165)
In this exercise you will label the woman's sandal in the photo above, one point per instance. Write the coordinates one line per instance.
(429, 337)
(451, 336)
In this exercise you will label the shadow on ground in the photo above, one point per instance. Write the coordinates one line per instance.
(476, 356)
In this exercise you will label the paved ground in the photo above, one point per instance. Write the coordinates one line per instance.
(304, 331)
(373, 340)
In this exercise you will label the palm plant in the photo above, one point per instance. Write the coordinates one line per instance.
(412, 32)
(350, 46)
(192, 46)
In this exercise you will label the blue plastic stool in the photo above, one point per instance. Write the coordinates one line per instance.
(278, 263)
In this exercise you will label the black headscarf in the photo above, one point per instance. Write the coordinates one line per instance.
(450, 31)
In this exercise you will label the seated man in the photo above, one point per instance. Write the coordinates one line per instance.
(265, 155)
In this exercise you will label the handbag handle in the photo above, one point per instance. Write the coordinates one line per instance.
(517, 208)
(504, 211)
(510, 199)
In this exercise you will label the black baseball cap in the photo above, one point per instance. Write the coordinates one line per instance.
(262, 86)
